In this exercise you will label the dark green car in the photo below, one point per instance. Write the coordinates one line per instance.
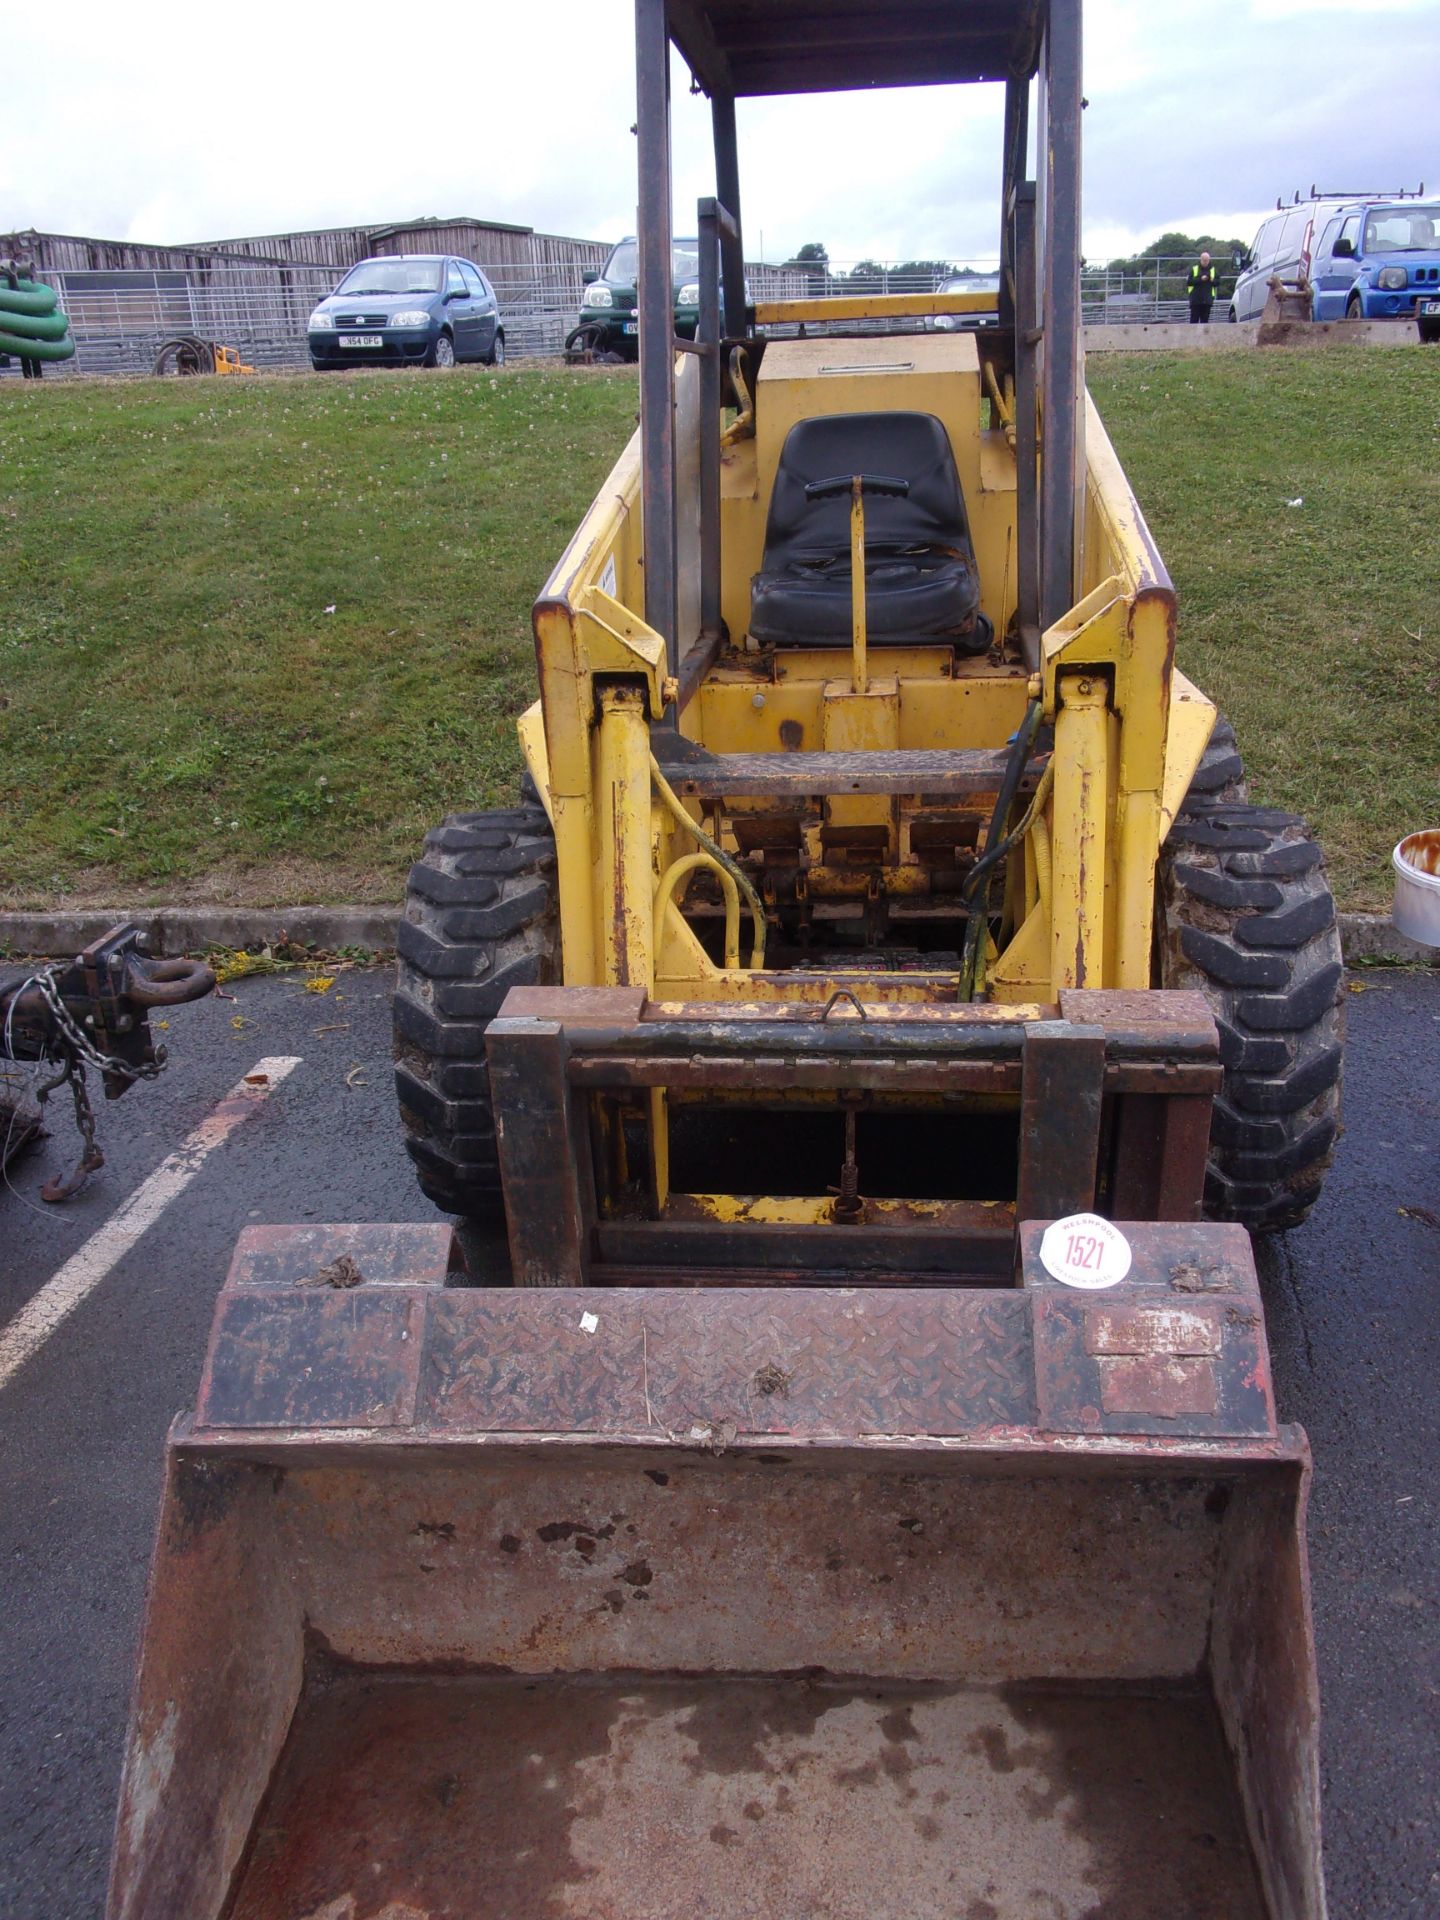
(609, 322)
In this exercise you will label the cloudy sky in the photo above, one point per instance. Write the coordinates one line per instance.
(222, 120)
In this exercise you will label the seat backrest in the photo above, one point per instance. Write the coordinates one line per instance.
(905, 446)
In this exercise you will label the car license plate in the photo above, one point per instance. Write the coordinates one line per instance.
(632, 326)
(1429, 307)
(362, 340)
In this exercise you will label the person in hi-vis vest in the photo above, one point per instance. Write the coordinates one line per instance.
(1201, 289)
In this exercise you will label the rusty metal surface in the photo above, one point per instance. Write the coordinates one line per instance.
(322, 1359)
(697, 1799)
(973, 1239)
(1177, 1350)
(1178, 1347)
(293, 1256)
(1061, 1094)
(1074, 1079)
(798, 775)
(961, 1573)
(762, 1362)
(634, 1532)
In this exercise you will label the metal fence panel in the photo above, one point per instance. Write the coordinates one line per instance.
(120, 317)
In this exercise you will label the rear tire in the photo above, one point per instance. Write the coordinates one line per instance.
(481, 916)
(1246, 916)
(496, 355)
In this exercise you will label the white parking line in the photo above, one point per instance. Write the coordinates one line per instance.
(85, 1269)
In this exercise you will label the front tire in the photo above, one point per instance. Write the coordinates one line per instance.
(442, 354)
(481, 916)
(1247, 918)
(1429, 332)
(1353, 310)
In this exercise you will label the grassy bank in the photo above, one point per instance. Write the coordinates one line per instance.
(1296, 499)
(182, 714)
(258, 634)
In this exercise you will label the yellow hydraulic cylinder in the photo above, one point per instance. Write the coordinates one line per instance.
(1079, 851)
(624, 876)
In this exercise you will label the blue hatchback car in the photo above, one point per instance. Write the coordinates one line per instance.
(1380, 260)
(409, 309)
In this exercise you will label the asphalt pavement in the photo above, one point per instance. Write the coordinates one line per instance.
(1351, 1300)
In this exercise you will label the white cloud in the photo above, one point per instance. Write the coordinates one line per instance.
(279, 120)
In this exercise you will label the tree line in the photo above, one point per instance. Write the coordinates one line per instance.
(1176, 249)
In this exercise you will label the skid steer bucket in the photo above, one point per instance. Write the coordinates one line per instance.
(658, 1604)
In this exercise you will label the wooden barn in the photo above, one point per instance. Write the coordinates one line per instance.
(256, 292)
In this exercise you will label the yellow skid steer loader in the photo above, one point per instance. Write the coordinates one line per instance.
(879, 1024)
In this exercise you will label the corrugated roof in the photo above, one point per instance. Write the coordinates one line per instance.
(830, 46)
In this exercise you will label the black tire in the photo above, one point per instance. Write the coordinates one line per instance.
(1221, 772)
(481, 916)
(1429, 332)
(496, 355)
(442, 353)
(1246, 916)
(1353, 309)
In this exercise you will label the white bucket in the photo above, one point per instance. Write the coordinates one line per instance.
(1417, 886)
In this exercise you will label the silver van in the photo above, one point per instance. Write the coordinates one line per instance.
(1283, 246)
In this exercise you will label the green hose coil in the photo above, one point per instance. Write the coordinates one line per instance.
(30, 296)
(33, 326)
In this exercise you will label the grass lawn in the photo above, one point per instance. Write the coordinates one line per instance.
(1296, 498)
(260, 633)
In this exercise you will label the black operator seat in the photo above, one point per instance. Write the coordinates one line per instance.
(920, 575)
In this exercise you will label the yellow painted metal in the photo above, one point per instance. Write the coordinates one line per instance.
(1022, 972)
(686, 865)
(1077, 918)
(859, 677)
(884, 997)
(1082, 896)
(531, 729)
(870, 306)
(1192, 720)
(659, 1104)
(804, 1210)
(623, 874)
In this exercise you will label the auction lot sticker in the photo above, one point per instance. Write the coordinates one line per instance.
(1085, 1251)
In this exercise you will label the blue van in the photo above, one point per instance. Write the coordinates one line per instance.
(1380, 260)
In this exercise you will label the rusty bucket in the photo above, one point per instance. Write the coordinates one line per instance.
(676, 1604)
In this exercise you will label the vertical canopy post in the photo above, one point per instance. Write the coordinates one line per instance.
(655, 229)
(727, 192)
(1059, 159)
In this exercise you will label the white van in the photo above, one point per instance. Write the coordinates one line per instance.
(1283, 246)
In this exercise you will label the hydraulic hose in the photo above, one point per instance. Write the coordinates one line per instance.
(27, 296)
(719, 855)
(972, 958)
(22, 349)
(973, 965)
(33, 325)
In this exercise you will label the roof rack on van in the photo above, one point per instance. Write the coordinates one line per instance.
(1368, 193)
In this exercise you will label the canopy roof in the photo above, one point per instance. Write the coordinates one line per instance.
(829, 46)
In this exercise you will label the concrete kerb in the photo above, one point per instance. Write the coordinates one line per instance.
(175, 930)
(1364, 937)
(1178, 336)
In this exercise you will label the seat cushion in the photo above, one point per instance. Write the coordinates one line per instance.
(920, 577)
(922, 593)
